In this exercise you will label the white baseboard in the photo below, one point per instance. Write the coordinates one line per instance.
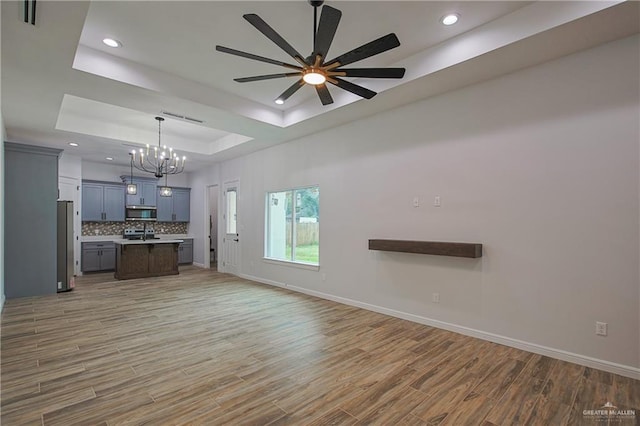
(199, 265)
(1, 302)
(612, 367)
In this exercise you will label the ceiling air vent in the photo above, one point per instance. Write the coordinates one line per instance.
(170, 114)
(182, 117)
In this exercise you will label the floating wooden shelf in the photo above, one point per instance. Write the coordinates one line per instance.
(472, 250)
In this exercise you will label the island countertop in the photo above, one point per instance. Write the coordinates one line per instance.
(148, 241)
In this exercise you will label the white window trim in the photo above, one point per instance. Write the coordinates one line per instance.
(292, 264)
(283, 262)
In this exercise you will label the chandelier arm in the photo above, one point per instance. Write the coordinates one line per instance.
(143, 168)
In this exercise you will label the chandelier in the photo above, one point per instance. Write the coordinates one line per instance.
(161, 161)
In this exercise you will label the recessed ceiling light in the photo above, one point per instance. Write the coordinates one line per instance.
(73, 144)
(111, 42)
(279, 101)
(450, 19)
(110, 158)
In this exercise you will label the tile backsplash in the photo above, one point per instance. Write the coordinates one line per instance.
(116, 228)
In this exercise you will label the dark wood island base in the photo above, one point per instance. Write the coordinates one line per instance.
(146, 259)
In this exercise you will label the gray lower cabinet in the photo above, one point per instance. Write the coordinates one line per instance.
(98, 256)
(185, 251)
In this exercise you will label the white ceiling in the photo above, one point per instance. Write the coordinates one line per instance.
(60, 84)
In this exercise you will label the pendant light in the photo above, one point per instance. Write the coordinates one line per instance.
(132, 188)
(165, 191)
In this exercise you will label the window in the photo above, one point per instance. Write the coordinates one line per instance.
(231, 211)
(293, 225)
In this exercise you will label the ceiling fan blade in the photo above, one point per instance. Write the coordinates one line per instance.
(255, 57)
(323, 94)
(353, 88)
(371, 72)
(388, 42)
(329, 20)
(266, 77)
(272, 35)
(291, 90)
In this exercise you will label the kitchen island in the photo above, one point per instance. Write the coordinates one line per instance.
(146, 258)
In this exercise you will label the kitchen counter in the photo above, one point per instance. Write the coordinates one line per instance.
(118, 237)
(148, 241)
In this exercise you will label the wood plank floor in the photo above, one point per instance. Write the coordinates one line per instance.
(209, 348)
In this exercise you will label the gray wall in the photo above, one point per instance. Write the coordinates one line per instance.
(2, 129)
(31, 192)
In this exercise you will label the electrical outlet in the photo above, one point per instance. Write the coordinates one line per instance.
(416, 202)
(601, 328)
(435, 297)
(436, 201)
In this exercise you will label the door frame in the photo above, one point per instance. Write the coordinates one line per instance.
(207, 242)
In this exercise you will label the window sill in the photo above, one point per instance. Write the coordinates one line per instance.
(299, 265)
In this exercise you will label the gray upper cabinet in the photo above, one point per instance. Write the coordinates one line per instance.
(113, 203)
(165, 207)
(146, 194)
(102, 202)
(175, 208)
(92, 202)
(181, 208)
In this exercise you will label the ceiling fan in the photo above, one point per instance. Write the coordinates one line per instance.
(315, 69)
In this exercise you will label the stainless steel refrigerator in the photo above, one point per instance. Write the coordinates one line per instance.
(65, 278)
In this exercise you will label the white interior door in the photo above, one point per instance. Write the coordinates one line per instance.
(69, 190)
(231, 239)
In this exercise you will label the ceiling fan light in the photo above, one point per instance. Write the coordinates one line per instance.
(314, 77)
